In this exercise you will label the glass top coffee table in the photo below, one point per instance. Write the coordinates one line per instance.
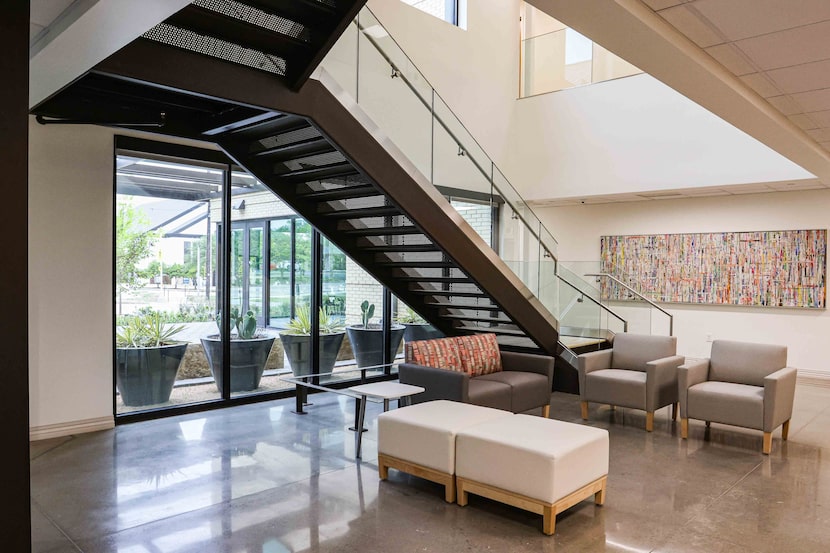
(382, 391)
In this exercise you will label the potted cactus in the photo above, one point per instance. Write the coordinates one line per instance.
(250, 348)
(147, 360)
(296, 341)
(367, 338)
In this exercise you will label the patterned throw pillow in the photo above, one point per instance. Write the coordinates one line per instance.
(441, 353)
(479, 354)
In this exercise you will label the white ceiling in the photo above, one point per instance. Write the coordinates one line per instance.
(780, 48)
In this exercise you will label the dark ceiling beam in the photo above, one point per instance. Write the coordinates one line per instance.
(147, 62)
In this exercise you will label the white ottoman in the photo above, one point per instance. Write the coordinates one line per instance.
(541, 465)
(420, 439)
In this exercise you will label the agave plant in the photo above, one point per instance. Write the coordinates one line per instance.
(146, 331)
(301, 323)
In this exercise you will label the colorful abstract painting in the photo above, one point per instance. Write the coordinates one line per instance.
(784, 268)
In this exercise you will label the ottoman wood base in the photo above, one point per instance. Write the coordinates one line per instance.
(547, 510)
(385, 462)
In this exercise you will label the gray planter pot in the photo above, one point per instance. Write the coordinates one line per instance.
(145, 376)
(298, 351)
(420, 331)
(367, 343)
(248, 359)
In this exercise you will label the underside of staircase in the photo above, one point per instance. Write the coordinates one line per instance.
(234, 74)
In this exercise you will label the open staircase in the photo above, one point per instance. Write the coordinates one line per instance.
(235, 73)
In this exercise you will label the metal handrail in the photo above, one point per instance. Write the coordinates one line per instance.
(605, 307)
(638, 294)
(396, 73)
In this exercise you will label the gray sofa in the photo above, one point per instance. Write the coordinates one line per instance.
(741, 384)
(524, 383)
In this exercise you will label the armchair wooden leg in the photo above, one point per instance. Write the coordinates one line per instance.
(650, 421)
(767, 442)
(675, 407)
(708, 424)
(584, 405)
(684, 428)
(785, 430)
(546, 411)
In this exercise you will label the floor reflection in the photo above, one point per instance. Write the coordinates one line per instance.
(259, 478)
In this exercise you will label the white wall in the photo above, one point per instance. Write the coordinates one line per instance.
(630, 135)
(476, 71)
(623, 136)
(804, 331)
(70, 277)
(70, 273)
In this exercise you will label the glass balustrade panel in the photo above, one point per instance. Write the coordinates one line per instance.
(394, 94)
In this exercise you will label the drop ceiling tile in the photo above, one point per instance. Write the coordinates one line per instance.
(791, 47)
(785, 105)
(805, 122)
(687, 21)
(820, 135)
(761, 84)
(814, 100)
(821, 118)
(732, 58)
(662, 4)
(732, 19)
(802, 78)
(783, 187)
(748, 189)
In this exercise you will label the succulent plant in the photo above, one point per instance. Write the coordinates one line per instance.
(245, 325)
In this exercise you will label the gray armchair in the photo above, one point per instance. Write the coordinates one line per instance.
(741, 384)
(640, 372)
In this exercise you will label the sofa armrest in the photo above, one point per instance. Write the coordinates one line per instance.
(661, 381)
(529, 363)
(689, 374)
(592, 361)
(779, 394)
(437, 383)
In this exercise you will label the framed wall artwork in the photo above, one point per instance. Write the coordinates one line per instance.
(781, 268)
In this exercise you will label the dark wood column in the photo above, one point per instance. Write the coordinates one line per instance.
(14, 356)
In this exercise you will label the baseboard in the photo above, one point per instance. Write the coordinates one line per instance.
(69, 428)
(814, 378)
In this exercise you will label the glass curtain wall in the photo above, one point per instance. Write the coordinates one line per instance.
(165, 281)
(171, 272)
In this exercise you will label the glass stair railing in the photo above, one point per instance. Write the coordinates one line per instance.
(371, 67)
(623, 297)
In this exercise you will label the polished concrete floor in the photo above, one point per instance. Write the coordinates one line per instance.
(261, 479)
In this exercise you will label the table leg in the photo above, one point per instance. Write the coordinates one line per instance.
(358, 401)
(300, 398)
(360, 425)
(385, 405)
